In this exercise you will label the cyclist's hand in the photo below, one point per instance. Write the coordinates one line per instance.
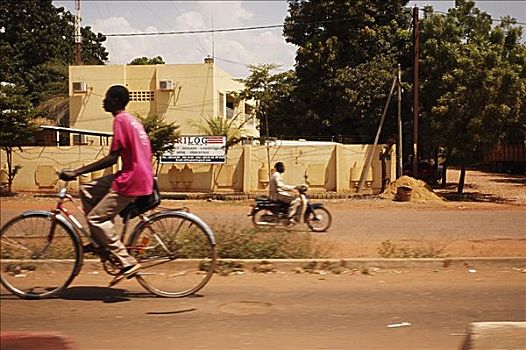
(67, 175)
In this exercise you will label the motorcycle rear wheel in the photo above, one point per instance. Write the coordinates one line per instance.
(264, 218)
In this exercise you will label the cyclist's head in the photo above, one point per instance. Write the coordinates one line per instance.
(116, 99)
(280, 168)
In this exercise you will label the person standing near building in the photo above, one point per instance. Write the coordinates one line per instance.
(104, 198)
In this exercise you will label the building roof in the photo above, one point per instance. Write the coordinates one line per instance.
(78, 131)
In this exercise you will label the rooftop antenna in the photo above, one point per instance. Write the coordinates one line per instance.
(213, 36)
(78, 36)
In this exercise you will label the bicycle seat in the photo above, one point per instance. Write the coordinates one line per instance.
(143, 203)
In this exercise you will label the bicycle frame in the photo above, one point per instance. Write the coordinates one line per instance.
(61, 211)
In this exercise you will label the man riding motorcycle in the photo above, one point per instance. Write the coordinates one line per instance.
(279, 191)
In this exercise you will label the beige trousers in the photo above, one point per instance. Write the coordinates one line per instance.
(291, 200)
(101, 206)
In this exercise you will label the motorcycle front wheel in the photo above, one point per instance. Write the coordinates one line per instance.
(318, 219)
(264, 218)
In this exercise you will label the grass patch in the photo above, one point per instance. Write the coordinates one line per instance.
(236, 243)
(389, 249)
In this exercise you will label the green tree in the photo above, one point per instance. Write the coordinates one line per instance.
(347, 56)
(474, 94)
(162, 135)
(274, 98)
(36, 46)
(16, 127)
(145, 60)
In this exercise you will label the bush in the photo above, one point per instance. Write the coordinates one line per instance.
(235, 243)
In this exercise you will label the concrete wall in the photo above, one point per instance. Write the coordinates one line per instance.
(327, 167)
(194, 97)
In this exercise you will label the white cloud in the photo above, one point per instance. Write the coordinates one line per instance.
(226, 14)
(233, 50)
(190, 21)
(124, 49)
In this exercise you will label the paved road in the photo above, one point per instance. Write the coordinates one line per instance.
(281, 311)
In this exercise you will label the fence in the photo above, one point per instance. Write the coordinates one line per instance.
(325, 168)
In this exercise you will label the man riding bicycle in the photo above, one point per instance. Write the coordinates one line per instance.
(106, 197)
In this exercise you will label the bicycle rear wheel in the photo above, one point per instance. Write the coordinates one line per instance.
(177, 252)
(39, 255)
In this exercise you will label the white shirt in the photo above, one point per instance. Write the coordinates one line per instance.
(277, 186)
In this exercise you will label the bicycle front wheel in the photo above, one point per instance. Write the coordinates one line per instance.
(39, 255)
(177, 252)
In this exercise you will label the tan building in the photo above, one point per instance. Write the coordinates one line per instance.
(186, 94)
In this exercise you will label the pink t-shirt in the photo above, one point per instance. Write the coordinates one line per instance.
(136, 176)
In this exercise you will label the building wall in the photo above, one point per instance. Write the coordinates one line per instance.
(194, 97)
(328, 168)
(85, 109)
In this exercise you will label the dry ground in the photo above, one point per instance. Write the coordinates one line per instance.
(488, 220)
(486, 186)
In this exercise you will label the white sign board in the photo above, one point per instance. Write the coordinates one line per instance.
(197, 149)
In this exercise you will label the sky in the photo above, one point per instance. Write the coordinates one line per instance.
(232, 51)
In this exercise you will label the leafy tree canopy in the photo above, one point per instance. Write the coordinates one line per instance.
(474, 91)
(16, 127)
(347, 56)
(145, 60)
(36, 46)
(273, 93)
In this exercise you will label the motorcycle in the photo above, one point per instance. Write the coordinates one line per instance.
(266, 212)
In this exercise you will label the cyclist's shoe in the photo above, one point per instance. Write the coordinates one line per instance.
(128, 272)
(292, 222)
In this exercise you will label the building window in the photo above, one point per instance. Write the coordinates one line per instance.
(230, 106)
(142, 96)
(221, 104)
(79, 139)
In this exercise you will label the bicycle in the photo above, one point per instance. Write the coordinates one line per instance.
(41, 252)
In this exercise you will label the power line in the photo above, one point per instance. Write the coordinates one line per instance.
(204, 31)
(493, 19)
(239, 29)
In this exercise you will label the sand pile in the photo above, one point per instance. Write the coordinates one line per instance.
(421, 192)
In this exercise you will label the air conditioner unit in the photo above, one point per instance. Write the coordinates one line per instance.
(80, 86)
(166, 85)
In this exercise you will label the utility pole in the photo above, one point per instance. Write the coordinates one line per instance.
(416, 88)
(78, 36)
(369, 157)
(400, 157)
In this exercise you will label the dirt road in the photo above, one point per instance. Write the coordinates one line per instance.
(281, 311)
(493, 226)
